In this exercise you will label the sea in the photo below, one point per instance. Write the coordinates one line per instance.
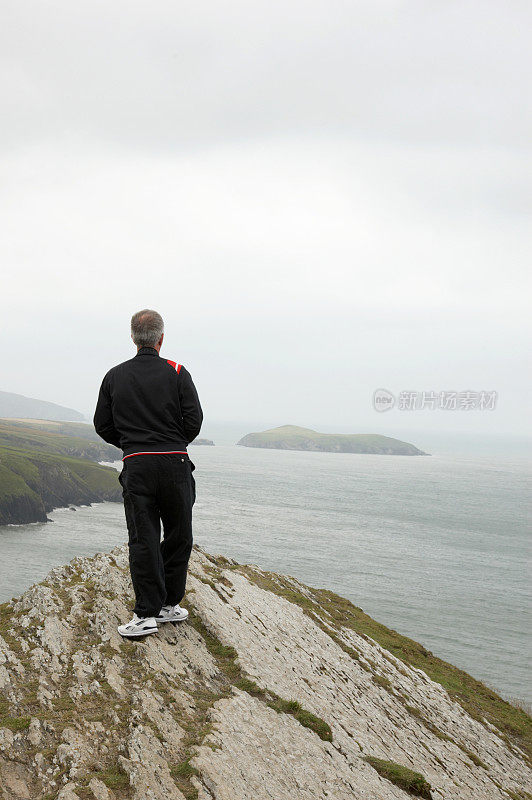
(435, 547)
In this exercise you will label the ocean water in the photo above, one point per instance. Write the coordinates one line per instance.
(437, 548)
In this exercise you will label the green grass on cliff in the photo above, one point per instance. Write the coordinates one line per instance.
(412, 782)
(45, 464)
(65, 438)
(14, 723)
(32, 483)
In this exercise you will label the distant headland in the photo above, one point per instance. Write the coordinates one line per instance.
(46, 464)
(18, 406)
(292, 437)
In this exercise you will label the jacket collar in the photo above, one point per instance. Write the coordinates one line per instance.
(147, 351)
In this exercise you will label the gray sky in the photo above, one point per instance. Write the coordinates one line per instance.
(321, 198)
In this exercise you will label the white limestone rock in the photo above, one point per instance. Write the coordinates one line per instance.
(86, 711)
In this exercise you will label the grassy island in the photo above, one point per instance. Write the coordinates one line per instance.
(292, 437)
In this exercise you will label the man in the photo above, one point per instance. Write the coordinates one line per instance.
(149, 407)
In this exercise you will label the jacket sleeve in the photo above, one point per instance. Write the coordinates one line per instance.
(190, 405)
(103, 416)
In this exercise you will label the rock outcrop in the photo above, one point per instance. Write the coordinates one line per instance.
(270, 691)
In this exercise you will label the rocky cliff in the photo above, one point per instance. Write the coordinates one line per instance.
(45, 465)
(32, 484)
(270, 691)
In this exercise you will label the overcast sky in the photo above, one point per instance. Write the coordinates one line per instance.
(320, 198)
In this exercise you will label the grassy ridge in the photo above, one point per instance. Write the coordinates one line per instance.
(42, 467)
(292, 437)
(67, 438)
(31, 484)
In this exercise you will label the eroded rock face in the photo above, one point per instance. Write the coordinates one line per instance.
(267, 692)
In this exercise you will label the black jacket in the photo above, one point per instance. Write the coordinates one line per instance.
(148, 404)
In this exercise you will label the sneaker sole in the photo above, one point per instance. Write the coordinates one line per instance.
(138, 633)
(171, 619)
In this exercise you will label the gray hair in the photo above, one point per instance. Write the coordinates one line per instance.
(147, 327)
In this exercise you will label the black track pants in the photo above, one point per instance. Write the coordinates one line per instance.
(158, 488)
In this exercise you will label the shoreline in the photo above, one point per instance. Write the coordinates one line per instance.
(69, 507)
(453, 611)
(105, 519)
(36, 484)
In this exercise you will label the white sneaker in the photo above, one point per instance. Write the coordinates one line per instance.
(171, 614)
(139, 626)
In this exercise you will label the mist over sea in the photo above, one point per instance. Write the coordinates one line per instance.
(436, 548)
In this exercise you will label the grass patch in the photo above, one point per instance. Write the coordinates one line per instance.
(249, 686)
(304, 717)
(472, 756)
(113, 776)
(8, 720)
(13, 723)
(64, 704)
(184, 770)
(408, 780)
(217, 573)
(6, 615)
(382, 681)
(224, 655)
